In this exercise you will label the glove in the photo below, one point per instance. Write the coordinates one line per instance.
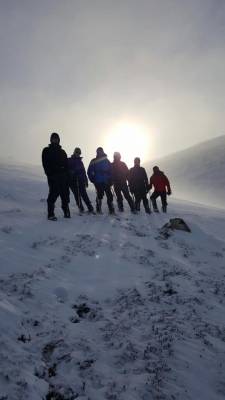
(169, 192)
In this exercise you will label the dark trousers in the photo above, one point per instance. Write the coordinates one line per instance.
(141, 195)
(80, 193)
(163, 196)
(101, 189)
(58, 186)
(122, 190)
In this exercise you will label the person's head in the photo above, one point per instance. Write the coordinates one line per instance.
(137, 161)
(54, 138)
(77, 152)
(100, 152)
(117, 156)
(155, 169)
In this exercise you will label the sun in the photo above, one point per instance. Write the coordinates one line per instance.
(131, 140)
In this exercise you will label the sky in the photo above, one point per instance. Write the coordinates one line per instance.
(83, 68)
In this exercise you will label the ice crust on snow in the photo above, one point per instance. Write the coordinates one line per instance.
(102, 307)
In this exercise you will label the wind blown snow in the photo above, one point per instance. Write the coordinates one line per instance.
(106, 307)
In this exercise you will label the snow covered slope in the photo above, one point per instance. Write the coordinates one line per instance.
(101, 307)
(198, 173)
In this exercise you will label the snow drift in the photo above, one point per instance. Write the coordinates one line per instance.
(107, 307)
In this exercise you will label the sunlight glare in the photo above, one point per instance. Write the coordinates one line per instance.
(130, 140)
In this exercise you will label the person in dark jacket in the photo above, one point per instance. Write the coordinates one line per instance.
(161, 185)
(54, 161)
(120, 174)
(138, 183)
(78, 180)
(100, 174)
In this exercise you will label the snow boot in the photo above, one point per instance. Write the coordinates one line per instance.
(52, 218)
(111, 209)
(98, 206)
(66, 212)
(164, 209)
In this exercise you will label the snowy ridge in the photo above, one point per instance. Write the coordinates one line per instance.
(197, 173)
(101, 307)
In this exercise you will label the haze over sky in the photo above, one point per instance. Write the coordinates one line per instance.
(81, 67)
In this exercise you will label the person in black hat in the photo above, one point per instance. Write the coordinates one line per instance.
(78, 180)
(100, 174)
(120, 174)
(54, 161)
(138, 183)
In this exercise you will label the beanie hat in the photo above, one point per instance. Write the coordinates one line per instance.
(77, 151)
(54, 135)
(100, 151)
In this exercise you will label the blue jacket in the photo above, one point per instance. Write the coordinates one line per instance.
(100, 170)
(77, 169)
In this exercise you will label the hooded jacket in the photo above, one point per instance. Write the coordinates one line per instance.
(120, 173)
(100, 170)
(160, 182)
(138, 180)
(77, 169)
(54, 160)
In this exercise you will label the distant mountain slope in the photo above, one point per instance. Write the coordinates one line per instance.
(197, 173)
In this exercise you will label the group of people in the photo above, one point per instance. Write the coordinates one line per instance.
(65, 174)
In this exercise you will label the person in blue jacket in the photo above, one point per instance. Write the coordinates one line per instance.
(78, 180)
(100, 174)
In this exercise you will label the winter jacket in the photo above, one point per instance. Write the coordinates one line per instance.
(77, 170)
(54, 160)
(138, 180)
(100, 170)
(160, 182)
(120, 173)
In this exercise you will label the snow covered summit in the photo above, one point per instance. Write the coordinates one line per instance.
(106, 307)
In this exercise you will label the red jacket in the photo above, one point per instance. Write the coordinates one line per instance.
(160, 182)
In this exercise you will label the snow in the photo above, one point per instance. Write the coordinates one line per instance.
(104, 307)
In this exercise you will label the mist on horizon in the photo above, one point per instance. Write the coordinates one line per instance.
(84, 68)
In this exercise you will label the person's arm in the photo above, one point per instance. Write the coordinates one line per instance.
(84, 174)
(126, 171)
(65, 162)
(91, 171)
(150, 183)
(145, 179)
(45, 161)
(110, 173)
(168, 186)
(130, 181)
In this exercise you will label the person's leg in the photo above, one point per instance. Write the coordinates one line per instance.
(146, 203)
(99, 196)
(128, 197)
(74, 188)
(164, 201)
(137, 197)
(65, 195)
(109, 196)
(119, 197)
(84, 196)
(52, 196)
(153, 198)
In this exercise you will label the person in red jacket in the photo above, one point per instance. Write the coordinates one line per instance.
(161, 185)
